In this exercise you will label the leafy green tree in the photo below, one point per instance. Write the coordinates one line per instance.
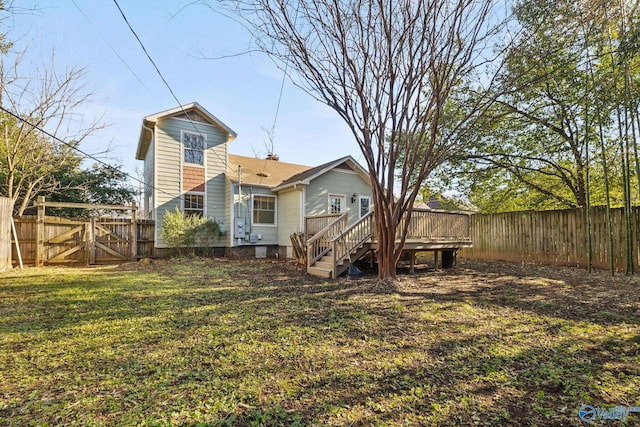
(99, 184)
(553, 125)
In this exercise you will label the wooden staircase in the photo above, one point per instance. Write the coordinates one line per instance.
(334, 245)
(331, 251)
(323, 267)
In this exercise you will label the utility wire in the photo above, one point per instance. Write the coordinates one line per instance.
(84, 153)
(166, 83)
(144, 49)
(113, 49)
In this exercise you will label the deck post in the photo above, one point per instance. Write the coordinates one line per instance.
(412, 262)
(435, 260)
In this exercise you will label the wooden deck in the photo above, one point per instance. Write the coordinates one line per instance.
(334, 246)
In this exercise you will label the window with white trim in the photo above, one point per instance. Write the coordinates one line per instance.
(194, 204)
(193, 144)
(364, 205)
(337, 203)
(264, 210)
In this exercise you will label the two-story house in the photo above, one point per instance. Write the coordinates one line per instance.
(258, 202)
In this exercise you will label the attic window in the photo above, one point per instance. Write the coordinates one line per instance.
(194, 144)
(264, 174)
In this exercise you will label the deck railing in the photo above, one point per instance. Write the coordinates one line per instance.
(342, 242)
(313, 224)
(437, 226)
(321, 242)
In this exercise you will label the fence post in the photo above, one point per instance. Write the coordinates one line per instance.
(90, 241)
(6, 225)
(133, 235)
(40, 248)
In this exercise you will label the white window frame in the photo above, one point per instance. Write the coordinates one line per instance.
(343, 202)
(275, 210)
(360, 199)
(204, 148)
(195, 193)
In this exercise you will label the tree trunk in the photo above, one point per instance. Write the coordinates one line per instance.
(385, 233)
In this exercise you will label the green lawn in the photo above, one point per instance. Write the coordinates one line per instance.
(207, 342)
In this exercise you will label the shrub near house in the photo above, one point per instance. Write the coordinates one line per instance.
(181, 231)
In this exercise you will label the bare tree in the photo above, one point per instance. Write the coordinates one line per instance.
(46, 99)
(388, 69)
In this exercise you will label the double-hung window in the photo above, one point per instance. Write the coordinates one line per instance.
(194, 204)
(264, 210)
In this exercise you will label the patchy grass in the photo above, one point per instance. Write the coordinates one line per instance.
(209, 342)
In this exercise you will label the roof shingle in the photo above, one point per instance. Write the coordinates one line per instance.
(262, 172)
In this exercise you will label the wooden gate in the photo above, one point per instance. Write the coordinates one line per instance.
(111, 239)
(93, 241)
(64, 241)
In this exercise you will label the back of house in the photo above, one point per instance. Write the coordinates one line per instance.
(259, 203)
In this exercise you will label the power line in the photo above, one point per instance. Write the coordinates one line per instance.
(166, 83)
(84, 153)
(144, 49)
(113, 49)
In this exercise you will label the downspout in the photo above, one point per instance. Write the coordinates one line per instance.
(239, 197)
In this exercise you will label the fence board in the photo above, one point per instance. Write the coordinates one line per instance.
(552, 237)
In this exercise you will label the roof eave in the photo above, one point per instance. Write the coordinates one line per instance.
(289, 185)
(144, 140)
(231, 134)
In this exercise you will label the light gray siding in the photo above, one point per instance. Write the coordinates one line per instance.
(168, 168)
(336, 182)
(289, 211)
(268, 233)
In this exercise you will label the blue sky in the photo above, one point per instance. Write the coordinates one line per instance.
(241, 91)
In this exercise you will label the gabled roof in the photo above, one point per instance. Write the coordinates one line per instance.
(278, 175)
(262, 172)
(306, 176)
(203, 115)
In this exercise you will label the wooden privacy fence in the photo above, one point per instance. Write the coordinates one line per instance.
(87, 241)
(552, 237)
(6, 209)
(51, 240)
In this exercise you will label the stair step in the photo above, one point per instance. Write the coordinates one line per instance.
(328, 260)
(324, 265)
(319, 272)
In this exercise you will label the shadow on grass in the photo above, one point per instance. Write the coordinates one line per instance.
(263, 343)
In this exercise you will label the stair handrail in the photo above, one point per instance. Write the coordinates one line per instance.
(342, 238)
(315, 249)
